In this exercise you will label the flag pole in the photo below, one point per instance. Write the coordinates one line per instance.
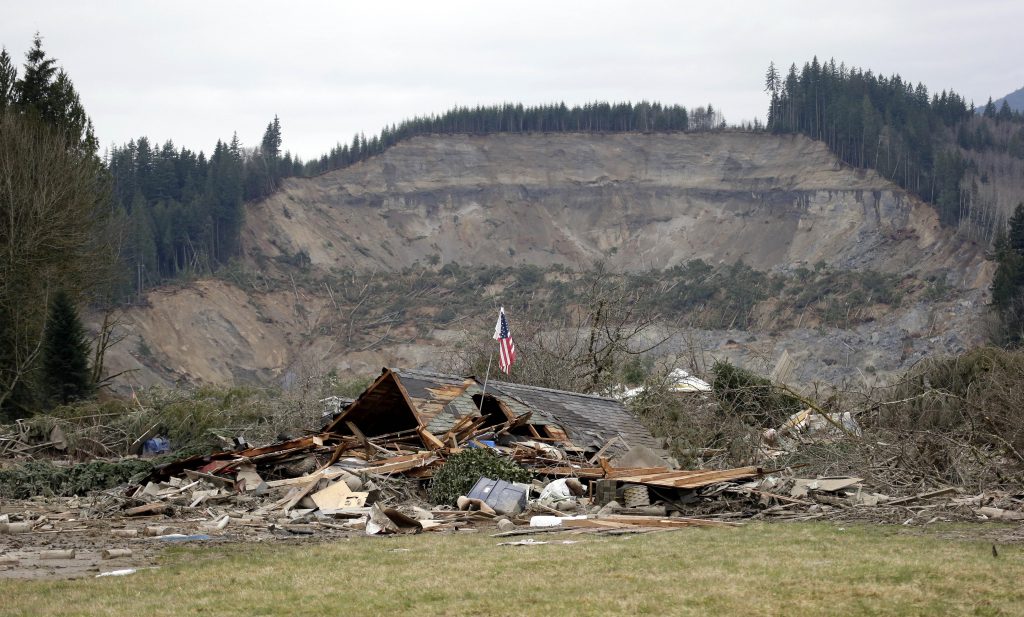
(490, 358)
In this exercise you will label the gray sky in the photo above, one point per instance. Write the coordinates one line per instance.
(197, 71)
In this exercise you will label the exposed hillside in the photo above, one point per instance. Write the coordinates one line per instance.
(638, 201)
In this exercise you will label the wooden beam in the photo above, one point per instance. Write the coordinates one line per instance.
(361, 437)
(429, 439)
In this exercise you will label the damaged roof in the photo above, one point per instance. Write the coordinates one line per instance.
(589, 420)
(438, 401)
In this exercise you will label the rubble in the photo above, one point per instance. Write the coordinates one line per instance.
(367, 473)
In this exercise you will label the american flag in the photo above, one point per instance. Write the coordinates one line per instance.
(506, 348)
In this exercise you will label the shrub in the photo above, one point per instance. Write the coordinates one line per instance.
(752, 397)
(45, 478)
(460, 472)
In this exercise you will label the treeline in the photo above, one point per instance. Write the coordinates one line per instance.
(894, 127)
(183, 212)
(595, 117)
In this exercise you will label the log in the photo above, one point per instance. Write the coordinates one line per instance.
(114, 553)
(124, 533)
(58, 554)
(15, 527)
(150, 509)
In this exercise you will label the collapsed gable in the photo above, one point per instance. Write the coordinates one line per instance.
(442, 409)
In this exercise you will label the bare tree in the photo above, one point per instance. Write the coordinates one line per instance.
(53, 217)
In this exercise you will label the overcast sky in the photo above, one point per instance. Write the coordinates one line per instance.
(198, 71)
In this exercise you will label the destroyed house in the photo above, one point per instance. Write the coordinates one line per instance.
(442, 410)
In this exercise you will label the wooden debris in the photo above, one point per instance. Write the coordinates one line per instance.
(150, 509)
(338, 496)
(114, 553)
(124, 533)
(12, 528)
(928, 495)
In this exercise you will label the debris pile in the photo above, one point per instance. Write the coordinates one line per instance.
(568, 462)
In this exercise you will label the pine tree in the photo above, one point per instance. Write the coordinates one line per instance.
(8, 78)
(33, 89)
(1008, 281)
(990, 109)
(66, 376)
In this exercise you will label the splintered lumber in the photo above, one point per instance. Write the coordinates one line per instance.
(399, 464)
(691, 479)
(326, 474)
(600, 453)
(220, 461)
(150, 509)
(296, 494)
(464, 426)
(429, 439)
(928, 495)
(590, 473)
(224, 483)
(643, 521)
(515, 423)
(361, 437)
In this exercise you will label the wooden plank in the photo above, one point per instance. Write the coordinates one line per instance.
(691, 479)
(655, 521)
(938, 493)
(398, 466)
(361, 437)
(212, 479)
(573, 472)
(298, 493)
(429, 439)
(326, 474)
(332, 497)
(338, 496)
(648, 477)
(597, 455)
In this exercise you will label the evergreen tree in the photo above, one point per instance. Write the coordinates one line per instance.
(1015, 240)
(8, 78)
(1008, 281)
(990, 109)
(66, 376)
(271, 144)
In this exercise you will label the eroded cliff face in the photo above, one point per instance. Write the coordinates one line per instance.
(635, 201)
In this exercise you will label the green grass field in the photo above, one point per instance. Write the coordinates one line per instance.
(758, 569)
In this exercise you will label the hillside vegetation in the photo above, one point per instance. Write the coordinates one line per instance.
(969, 166)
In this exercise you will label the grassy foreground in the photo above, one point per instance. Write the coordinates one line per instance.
(779, 569)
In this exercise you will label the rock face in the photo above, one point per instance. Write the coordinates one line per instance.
(636, 201)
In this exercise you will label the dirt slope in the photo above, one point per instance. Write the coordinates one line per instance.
(637, 201)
